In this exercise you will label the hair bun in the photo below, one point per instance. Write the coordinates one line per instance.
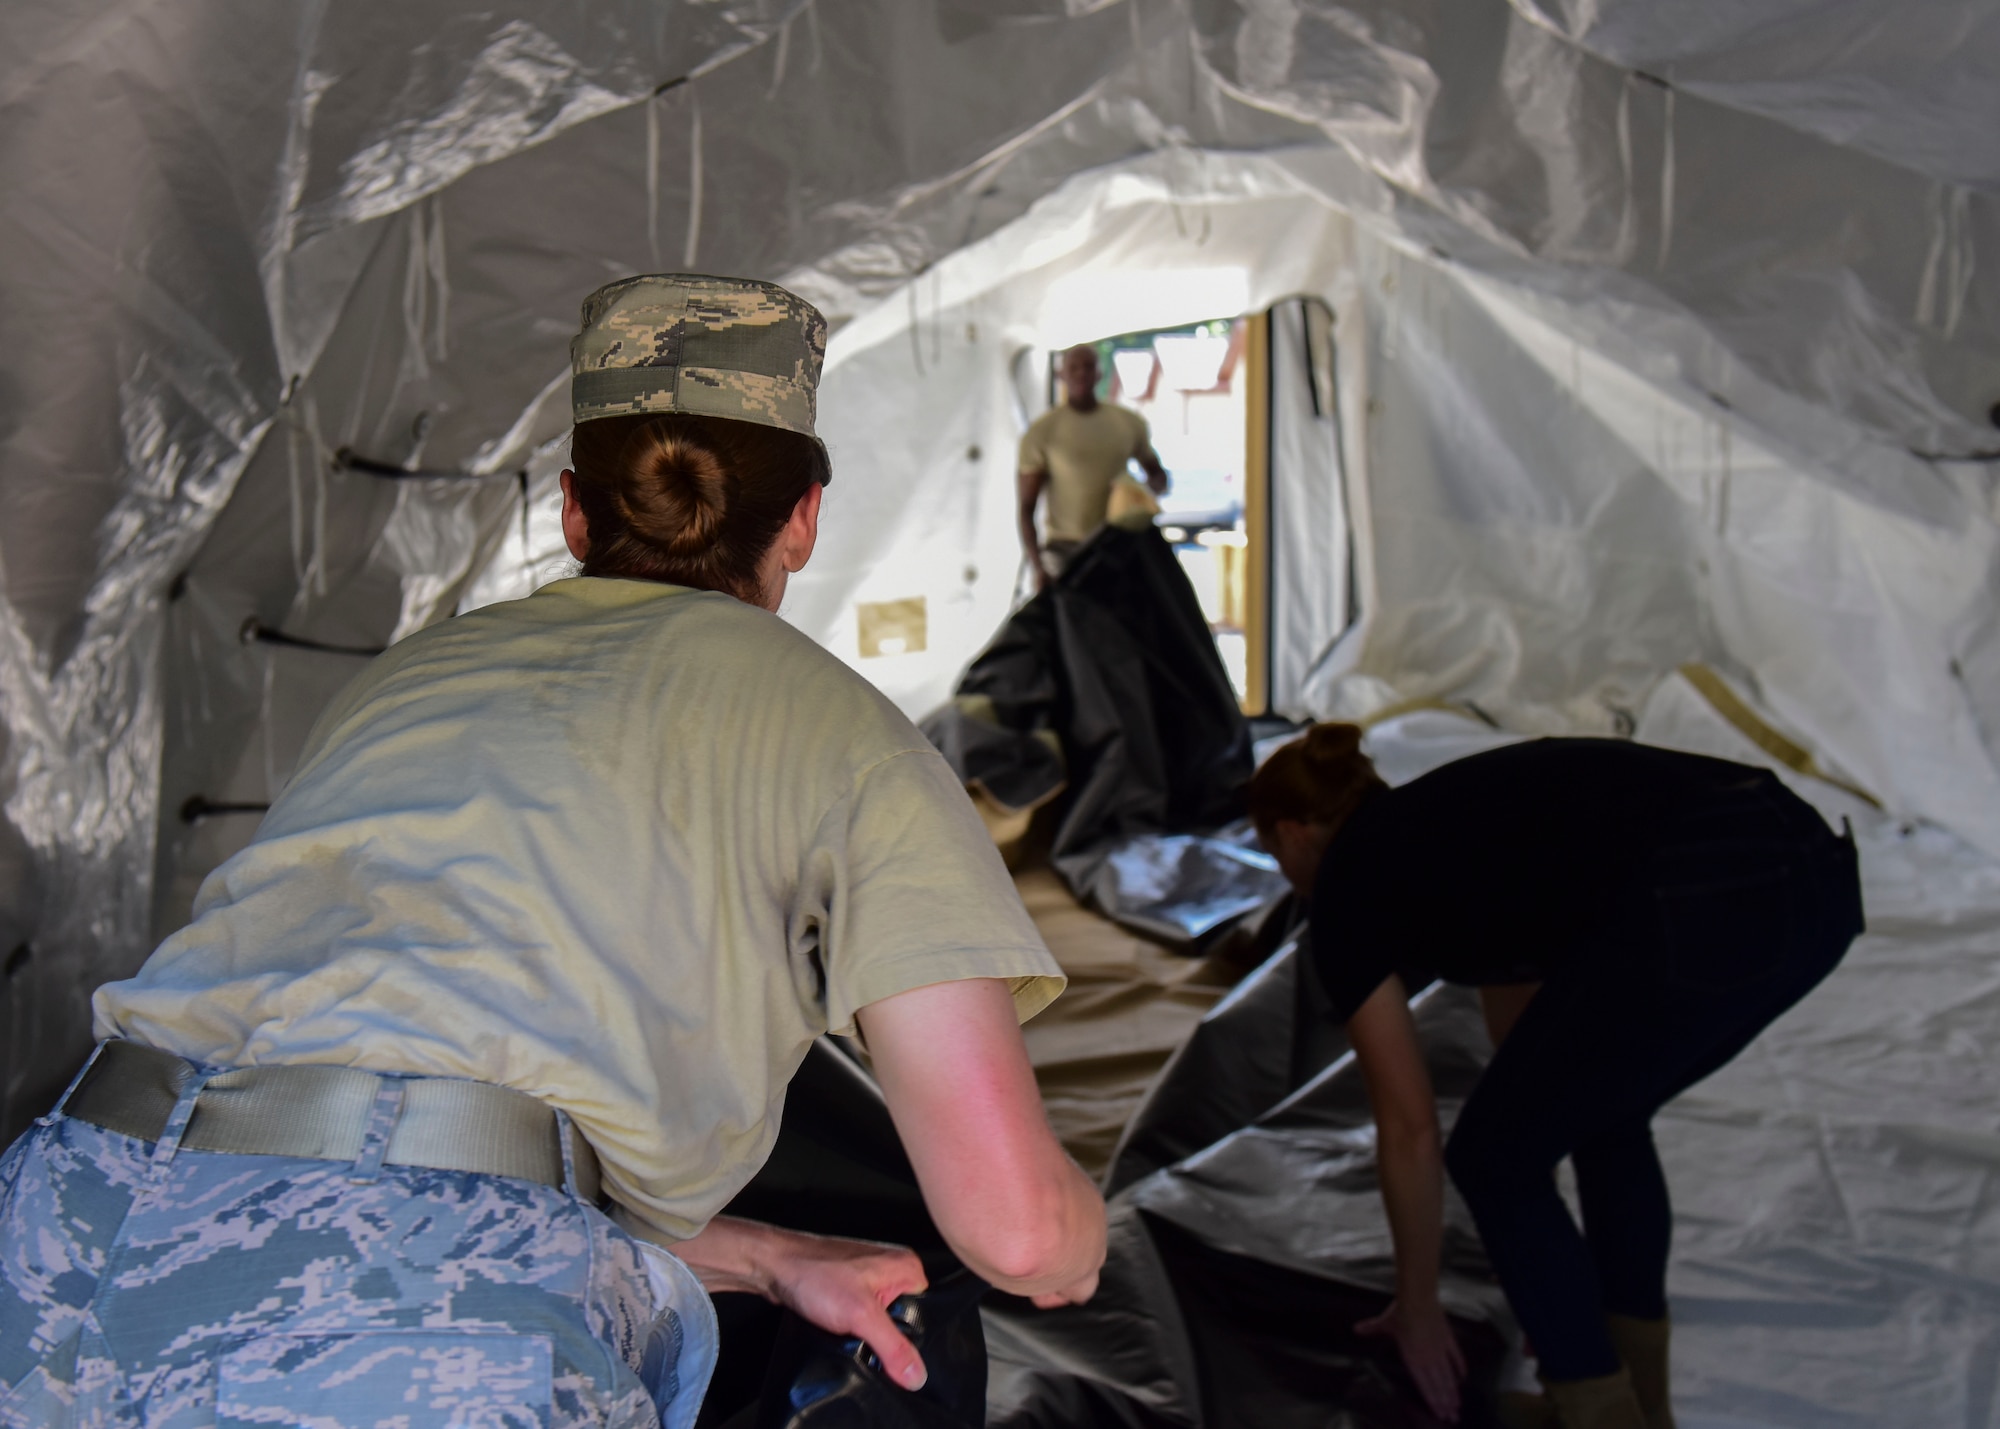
(692, 501)
(674, 493)
(1332, 745)
(1321, 778)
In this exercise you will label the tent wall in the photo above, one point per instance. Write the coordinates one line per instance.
(1550, 532)
(1311, 531)
(914, 387)
(1541, 529)
(1520, 556)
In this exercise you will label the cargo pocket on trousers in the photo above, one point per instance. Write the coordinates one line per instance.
(1726, 933)
(419, 1379)
(680, 1348)
(49, 1395)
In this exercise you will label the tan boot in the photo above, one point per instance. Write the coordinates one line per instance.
(1604, 1403)
(1520, 1410)
(1642, 1349)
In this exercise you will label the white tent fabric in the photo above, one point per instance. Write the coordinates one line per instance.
(1659, 336)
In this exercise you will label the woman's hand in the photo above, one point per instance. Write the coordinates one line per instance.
(1430, 1351)
(846, 1287)
(843, 1286)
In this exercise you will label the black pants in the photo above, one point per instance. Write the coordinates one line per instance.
(1744, 910)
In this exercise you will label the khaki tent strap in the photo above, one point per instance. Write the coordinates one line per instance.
(1403, 707)
(1747, 722)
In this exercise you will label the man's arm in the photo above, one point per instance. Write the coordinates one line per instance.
(1148, 459)
(1149, 462)
(1032, 483)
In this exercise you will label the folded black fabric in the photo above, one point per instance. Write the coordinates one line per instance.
(1117, 660)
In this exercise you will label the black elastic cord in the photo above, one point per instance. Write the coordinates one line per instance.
(348, 459)
(1990, 454)
(255, 630)
(199, 807)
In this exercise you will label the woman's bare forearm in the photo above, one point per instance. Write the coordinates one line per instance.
(737, 1255)
(1049, 1249)
(1411, 1166)
(1003, 1194)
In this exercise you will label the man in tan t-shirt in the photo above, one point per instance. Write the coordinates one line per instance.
(1076, 452)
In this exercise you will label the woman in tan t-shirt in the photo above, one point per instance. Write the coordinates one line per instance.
(231, 1217)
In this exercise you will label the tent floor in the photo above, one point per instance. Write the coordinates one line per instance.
(1129, 1004)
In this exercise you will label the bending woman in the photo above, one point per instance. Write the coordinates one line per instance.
(558, 897)
(1632, 918)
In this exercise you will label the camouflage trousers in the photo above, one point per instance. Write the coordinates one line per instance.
(144, 1285)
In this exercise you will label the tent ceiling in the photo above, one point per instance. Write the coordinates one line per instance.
(1908, 83)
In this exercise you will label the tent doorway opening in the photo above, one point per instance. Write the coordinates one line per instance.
(1193, 384)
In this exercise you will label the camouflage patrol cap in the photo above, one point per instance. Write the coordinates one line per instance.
(710, 347)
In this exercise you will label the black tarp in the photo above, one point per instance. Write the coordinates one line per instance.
(1115, 659)
(838, 1168)
(1246, 1241)
(1253, 1238)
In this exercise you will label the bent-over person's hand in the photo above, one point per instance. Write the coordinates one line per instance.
(1430, 1352)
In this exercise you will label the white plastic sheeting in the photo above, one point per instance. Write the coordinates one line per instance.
(1829, 67)
(1834, 1253)
(1550, 531)
(924, 400)
(1548, 517)
(1654, 343)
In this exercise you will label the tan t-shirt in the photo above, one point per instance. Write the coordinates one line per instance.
(625, 846)
(1083, 453)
